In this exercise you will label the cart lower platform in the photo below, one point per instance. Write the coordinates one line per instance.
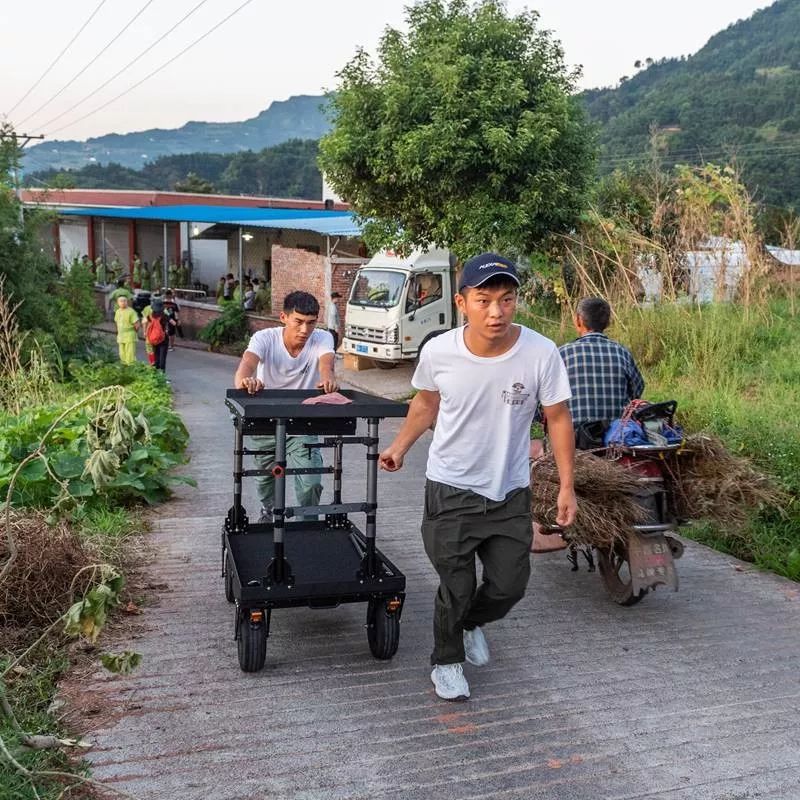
(332, 568)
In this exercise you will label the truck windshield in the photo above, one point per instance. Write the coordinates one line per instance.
(377, 287)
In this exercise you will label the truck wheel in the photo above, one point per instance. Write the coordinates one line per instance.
(252, 644)
(384, 364)
(383, 630)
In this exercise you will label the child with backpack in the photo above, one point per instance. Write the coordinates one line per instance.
(158, 328)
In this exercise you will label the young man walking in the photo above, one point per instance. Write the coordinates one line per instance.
(481, 384)
(295, 356)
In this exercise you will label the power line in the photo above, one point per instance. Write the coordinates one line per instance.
(78, 74)
(155, 71)
(126, 67)
(58, 57)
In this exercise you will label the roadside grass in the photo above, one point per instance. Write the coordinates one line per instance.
(33, 690)
(735, 373)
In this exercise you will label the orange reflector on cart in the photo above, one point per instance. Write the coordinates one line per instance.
(256, 616)
(393, 604)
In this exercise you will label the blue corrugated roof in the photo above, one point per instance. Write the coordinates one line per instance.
(330, 223)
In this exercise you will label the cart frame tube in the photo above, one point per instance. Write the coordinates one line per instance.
(279, 508)
(372, 493)
(238, 450)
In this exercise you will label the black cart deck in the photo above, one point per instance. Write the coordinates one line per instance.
(319, 562)
(327, 566)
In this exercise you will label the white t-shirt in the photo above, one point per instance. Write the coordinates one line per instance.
(278, 370)
(482, 435)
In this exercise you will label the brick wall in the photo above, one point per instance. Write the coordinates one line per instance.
(297, 270)
(195, 316)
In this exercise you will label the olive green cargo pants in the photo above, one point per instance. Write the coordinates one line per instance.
(457, 526)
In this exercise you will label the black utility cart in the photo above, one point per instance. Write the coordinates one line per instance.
(292, 561)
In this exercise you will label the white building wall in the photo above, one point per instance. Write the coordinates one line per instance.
(73, 241)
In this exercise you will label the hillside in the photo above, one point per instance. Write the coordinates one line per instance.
(285, 170)
(298, 117)
(738, 95)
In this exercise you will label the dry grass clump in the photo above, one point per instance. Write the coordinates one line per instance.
(39, 587)
(606, 493)
(710, 482)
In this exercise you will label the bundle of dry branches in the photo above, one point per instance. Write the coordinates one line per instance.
(39, 587)
(606, 495)
(710, 482)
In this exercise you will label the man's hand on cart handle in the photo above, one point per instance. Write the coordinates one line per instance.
(567, 508)
(251, 384)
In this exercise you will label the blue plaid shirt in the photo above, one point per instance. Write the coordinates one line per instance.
(603, 376)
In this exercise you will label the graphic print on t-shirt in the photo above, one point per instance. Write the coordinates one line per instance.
(516, 397)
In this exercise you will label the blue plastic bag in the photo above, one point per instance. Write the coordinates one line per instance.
(629, 433)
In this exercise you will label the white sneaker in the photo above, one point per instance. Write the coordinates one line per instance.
(449, 682)
(476, 649)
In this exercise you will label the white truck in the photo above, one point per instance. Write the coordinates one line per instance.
(397, 304)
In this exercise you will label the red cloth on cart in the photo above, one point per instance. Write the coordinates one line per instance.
(333, 399)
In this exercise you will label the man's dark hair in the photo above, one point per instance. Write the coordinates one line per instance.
(302, 303)
(595, 313)
(168, 293)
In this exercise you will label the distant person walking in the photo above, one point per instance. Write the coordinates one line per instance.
(172, 310)
(127, 322)
(159, 327)
(332, 319)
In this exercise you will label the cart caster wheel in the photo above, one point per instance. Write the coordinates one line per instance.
(252, 644)
(228, 579)
(383, 629)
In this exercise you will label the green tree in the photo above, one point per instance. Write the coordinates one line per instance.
(464, 134)
(27, 271)
(195, 184)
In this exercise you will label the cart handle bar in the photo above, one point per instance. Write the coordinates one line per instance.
(250, 473)
(335, 508)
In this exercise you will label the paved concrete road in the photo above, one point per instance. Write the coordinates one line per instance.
(688, 696)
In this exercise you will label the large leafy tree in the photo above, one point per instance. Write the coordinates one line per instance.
(465, 133)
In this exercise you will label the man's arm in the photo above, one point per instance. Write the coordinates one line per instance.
(245, 374)
(421, 415)
(562, 440)
(327, 380)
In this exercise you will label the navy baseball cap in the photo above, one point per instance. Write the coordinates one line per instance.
(480, 268)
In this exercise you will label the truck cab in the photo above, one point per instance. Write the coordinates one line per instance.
(398, 303)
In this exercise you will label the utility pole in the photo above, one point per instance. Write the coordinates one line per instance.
(15, 138)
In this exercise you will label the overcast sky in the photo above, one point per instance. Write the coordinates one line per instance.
(272, 50)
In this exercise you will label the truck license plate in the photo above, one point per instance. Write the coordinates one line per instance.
(362, 348)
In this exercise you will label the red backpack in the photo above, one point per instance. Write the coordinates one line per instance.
(155, 330)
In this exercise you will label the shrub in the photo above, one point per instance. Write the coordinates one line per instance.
(229, 327)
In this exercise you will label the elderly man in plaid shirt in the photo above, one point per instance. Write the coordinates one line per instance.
(603, 377)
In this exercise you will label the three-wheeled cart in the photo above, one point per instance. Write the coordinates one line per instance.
(296, 561)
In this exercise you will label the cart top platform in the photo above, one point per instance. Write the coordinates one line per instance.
(288, 404)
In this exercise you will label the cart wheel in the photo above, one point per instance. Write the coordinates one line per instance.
(384, 364)
(616, 574)
(228, 579)
(383, 630)
(252, 643)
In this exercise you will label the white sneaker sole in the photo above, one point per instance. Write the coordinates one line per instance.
(476, 663)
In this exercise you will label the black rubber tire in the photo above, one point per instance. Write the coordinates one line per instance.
(612, 563)
(228, 579)
(384, 364)
(383, 630)
(252, 645)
